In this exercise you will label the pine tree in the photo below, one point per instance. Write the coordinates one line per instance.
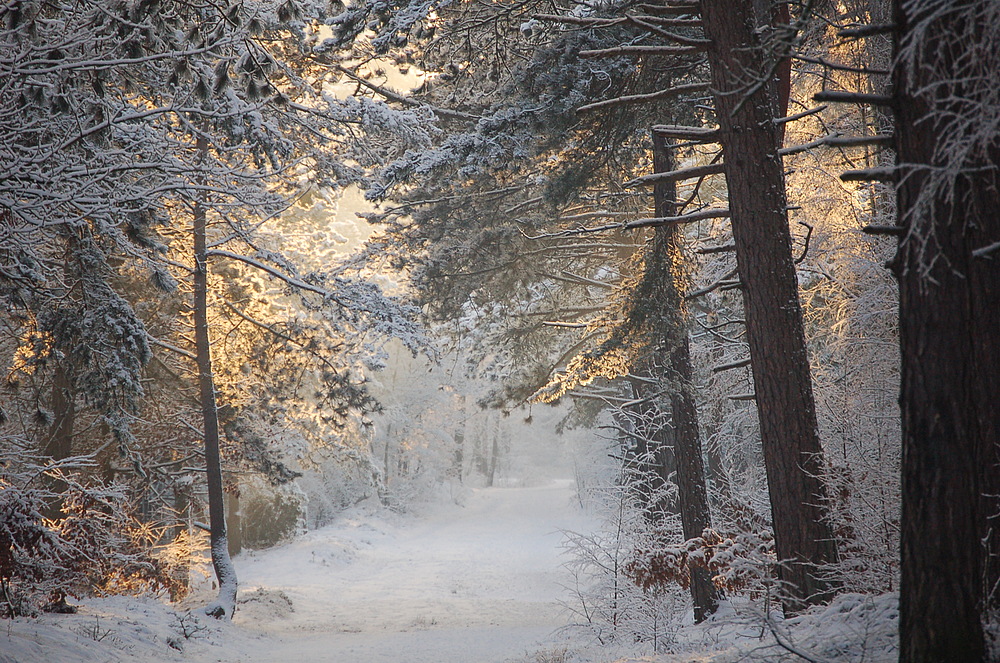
(945, 99)
(746, 104)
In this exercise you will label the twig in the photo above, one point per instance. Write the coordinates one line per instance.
(805, 249)
(736, 364)
(985, 251)
(788, 645)
(841, 97)
(641, 50)
(392, 95)
(722, 248)
(713, 286)
(676, 175)
(841, 67)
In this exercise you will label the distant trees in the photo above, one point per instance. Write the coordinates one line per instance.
(629, 46)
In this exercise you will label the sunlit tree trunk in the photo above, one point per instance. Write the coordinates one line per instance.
(221, 562)
(745, 107)
(949, 308)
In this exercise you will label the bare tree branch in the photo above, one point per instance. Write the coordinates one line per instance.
(643, 98)
(639, 50)
(677, 175)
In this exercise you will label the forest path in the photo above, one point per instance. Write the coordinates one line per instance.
(479, 583)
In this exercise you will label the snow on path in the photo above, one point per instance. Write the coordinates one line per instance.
(473, 584)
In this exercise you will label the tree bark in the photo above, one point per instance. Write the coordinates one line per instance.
(674, 354)
(221, 561)
(949, 311)
(60, 443)
(458, 459)
(745, 107)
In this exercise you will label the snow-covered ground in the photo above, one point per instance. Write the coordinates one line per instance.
(478, 581)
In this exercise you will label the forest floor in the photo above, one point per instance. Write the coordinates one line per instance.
(476, 583)
(477, 579)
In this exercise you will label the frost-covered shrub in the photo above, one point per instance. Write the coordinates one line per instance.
(270, 514)
(864, 510)
(742, 563)
(606, 600)
(96, 547)
(331, 485)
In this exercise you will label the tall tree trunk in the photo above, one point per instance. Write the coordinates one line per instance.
(674, 355)
(746, 108)
(386, 470)
(493, 460)
(949, 309)
(60, 443)
(221, 562)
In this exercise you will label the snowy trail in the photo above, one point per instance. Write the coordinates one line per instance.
(473, 584)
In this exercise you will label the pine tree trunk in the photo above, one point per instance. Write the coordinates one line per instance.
(494, 457)
(221, 562)
(675, 356)
(60, 443)
(949, 311)
(745, 108)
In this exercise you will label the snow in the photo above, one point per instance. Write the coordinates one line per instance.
(475, 581)
(475, 578)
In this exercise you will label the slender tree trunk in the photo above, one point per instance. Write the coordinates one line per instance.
(745, 108)
(221, 562)
(458, 460)
(386, 470)
(182, 507)
(493, 459)
(949, 310)
(234, 523)
(649, 454)
(674, 355)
